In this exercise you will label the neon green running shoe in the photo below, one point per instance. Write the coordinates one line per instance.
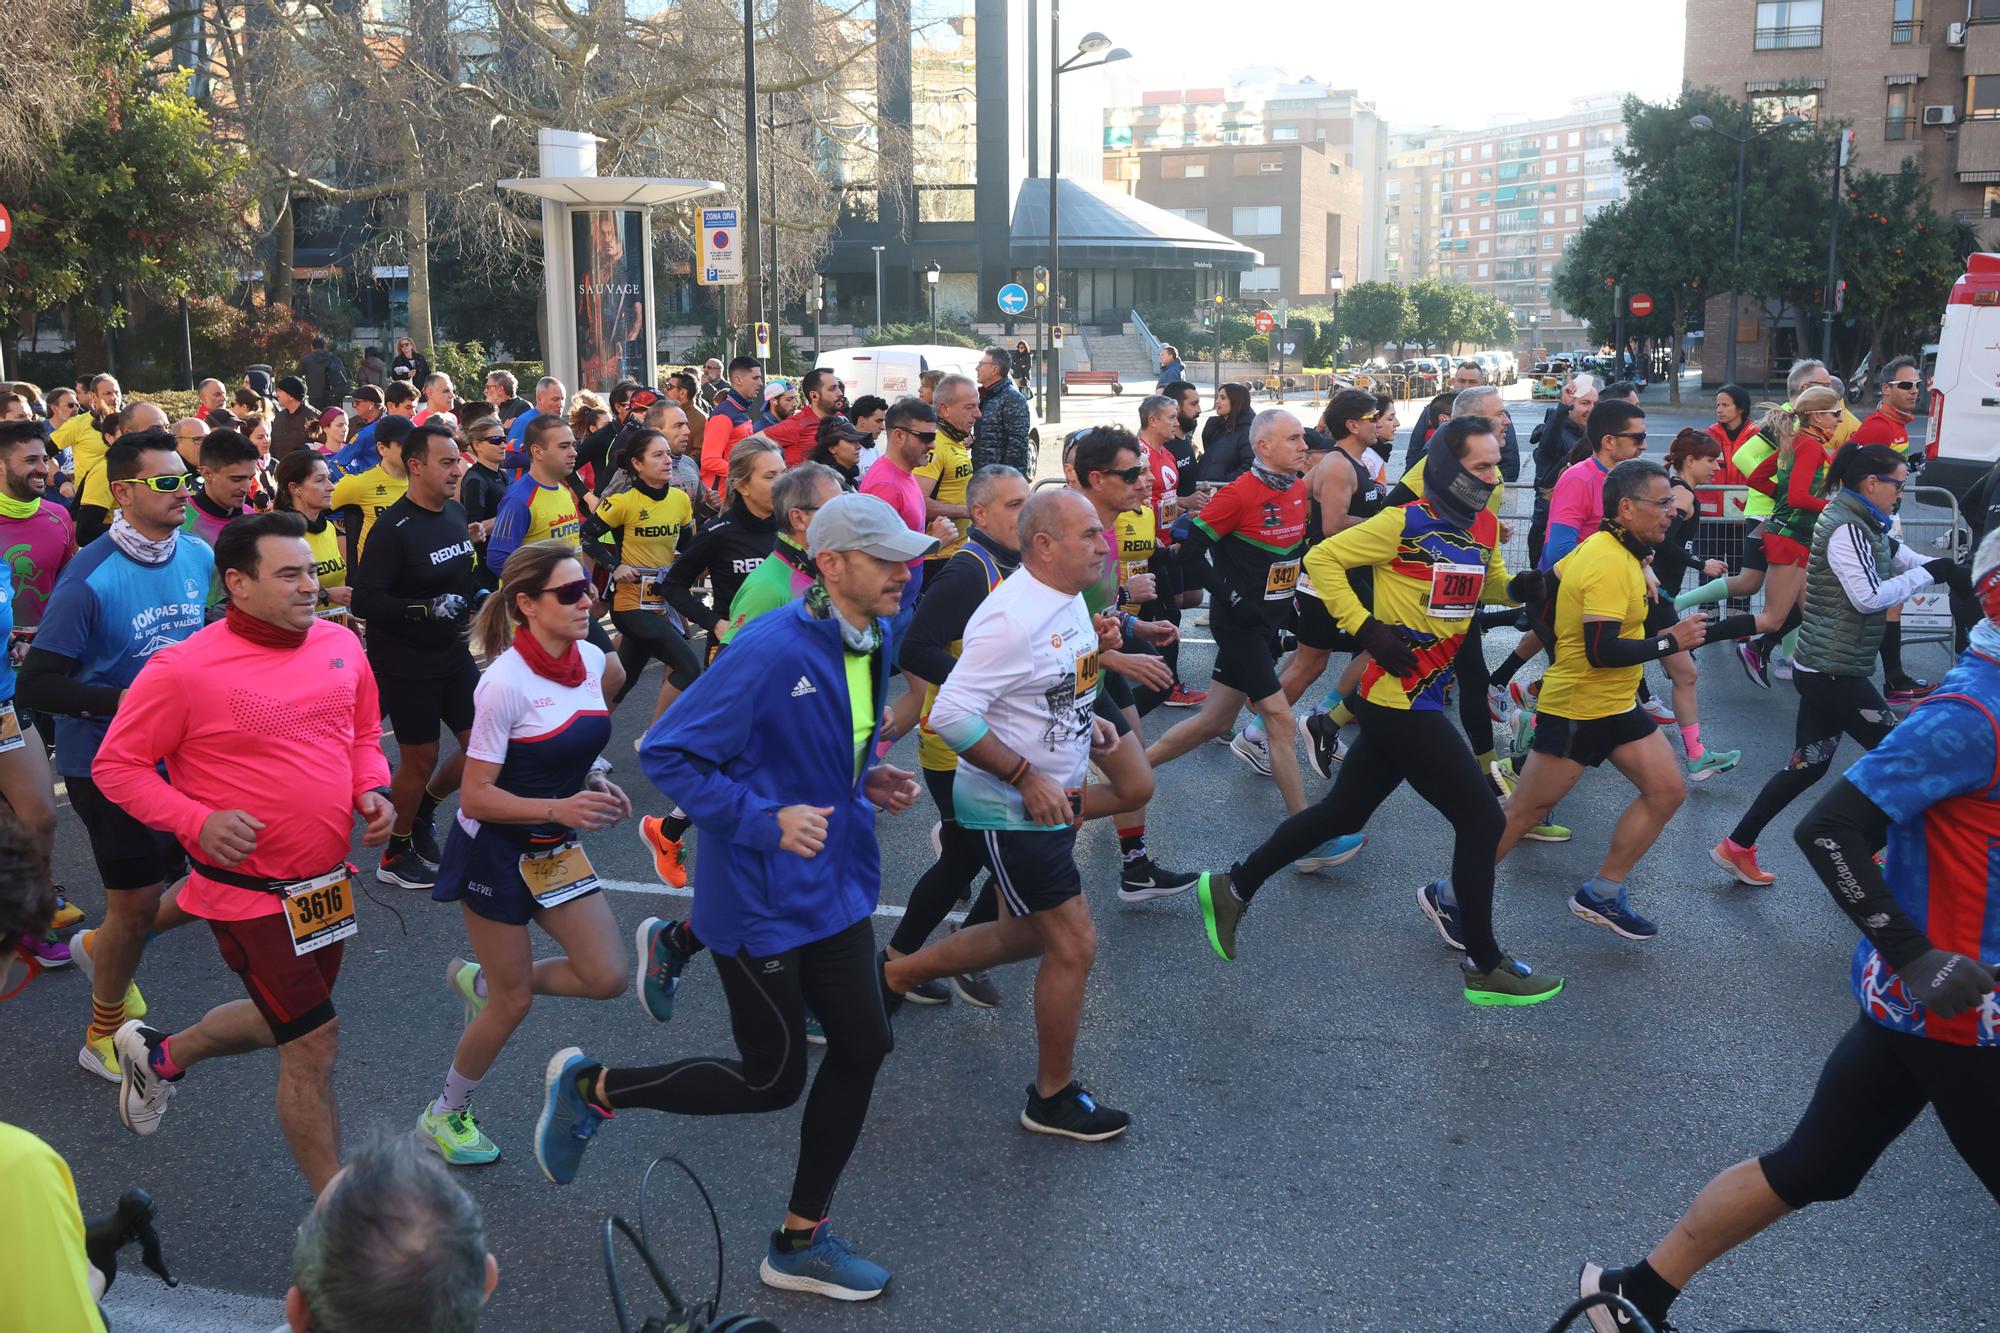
(1220, 911)
(463, 979)
(1508, 983)
(457, 1137)
(1547, 833)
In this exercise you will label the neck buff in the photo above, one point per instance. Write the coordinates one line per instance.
(820, 603)
(19, 509)
(1875, 515)
(1640, 550)
(1454, 495)
(262, 632)
(565, 670)
(140, 548)
(1986, 639)
(1277, 481)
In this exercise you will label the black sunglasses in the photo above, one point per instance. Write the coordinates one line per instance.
(1129, 475)
(569, 594)
(927, 436)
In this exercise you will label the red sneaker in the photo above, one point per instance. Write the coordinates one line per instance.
(1741, 863)
(669, 857)
(1183, 697)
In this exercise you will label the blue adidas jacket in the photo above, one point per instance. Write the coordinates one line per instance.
(768, 725)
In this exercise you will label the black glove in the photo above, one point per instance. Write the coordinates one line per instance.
(1949, 572)
(1386, 644)
(1530, 587)
(446, 606)
(1946, 983)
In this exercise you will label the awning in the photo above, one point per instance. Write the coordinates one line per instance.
(1893, 79)
(1979, 178)
(612, 191)
(1783, 85)
(1105, 228)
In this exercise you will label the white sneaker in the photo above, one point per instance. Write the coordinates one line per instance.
(1258, 757)
(143, 1098)
(1659, 710)
(1499, 706)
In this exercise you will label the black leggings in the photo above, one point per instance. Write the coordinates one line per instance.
(839, 977)
(651, 637)
(1399, 745)
(1874, 1084)
(1470, 679)
(950, 877)
(1828, 706)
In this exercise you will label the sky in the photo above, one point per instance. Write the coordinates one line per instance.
(1472, 60)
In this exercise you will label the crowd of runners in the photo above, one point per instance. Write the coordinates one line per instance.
(210, 679)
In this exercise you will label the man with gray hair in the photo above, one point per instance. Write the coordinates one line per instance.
(1466, 378)
(393, 1242)
(1004, 418)
(549, 399)
(786, 573)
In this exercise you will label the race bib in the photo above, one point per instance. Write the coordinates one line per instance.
(558, 875)
(1282, 580)
(10, 729)
(320, 911)
(652, 591)
(1455, 591)
(1086, 674)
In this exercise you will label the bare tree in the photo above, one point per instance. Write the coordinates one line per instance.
(48, 90)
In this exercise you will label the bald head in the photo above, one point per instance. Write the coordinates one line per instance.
(139, 416)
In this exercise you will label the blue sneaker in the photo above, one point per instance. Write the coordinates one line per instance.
(1616, 916)
(827, 1267)
(658, 974)
(1443, 915)
(815, 1034)
(568, 1122)
(1334, 852)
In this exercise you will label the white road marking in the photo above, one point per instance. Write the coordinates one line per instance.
(888, 910)
(140, 1303)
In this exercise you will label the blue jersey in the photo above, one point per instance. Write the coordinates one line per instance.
(1938, 777)
(108, 614)
(6, 631)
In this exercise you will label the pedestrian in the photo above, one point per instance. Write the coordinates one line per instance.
(839, 447)
(1021, 362)
(291, 425)
(408, 363)
(824, 399)
(1561, 430)
(305, 488)
(1802, 436)
(373, 372)
(324, 373)
(1004, 421)
(725, 551)
(781, 403)
(712, 385)
(1226, 451)
(912, 437)
(550, 397)
(1171, 368)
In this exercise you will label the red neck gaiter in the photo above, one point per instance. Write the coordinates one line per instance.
(262, 632)
(564, 670)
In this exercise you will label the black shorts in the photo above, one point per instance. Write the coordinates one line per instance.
(419, 709)
(1661, 615)
(1590, 743)
(1753, 545)
(484, 873)
(1034, 869)
(1246, 653)
(648, 634)
(293, 992)
(129, 855)
(1109, 709)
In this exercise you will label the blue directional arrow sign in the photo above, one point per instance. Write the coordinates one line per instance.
(1013, 299)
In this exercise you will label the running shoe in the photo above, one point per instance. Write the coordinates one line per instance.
(1500, 777)
(144, 1094)
(1740, 863)
(1594, 1281)
(669, 856)
(1547, 833)
(100, 1057)
(657, 978)
(1442, 914)
(1754, 665)
(406, 870)
(67, 913)
(1183, 697)
(1510, 983)
(975, 988)
(1333, 852)
(1524, 696)
(462, 979)
(1073, 1114)
(79, 952)
(457, 1137)
(424, 842)
(1220, 911)
(1142, 878)
(1901, 690)
(1615, 915)
(935, 991)
(1322, 740)
(1499, 706)
(1711, 763)
(1659, 710)
(815, 1033)
(1253, 753)
(1781, 665)
(568, 1121)
(47, 950)
(827, 1267)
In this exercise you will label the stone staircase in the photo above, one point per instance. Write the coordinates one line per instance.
(1122, 352)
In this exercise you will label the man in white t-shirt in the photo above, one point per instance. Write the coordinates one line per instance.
(1019, 710)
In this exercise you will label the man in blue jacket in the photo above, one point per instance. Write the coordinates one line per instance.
(771, 752)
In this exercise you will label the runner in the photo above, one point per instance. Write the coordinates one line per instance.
(728, 550)
(539, 506)
(1434, 560)
(633, 537)
(1889, 424)
(1928, 1033)
(534, 781)
(943, 476)
(270, 729)
(912, 436)
(119, 602)
(730, 420)
(363, 497)
(786, 573)
(779, 777)
(228, 475)
(39, 541)
(414, 589)
(305, 488)
(1692, 460)
(1018, 709)
(1167, 434)
(1252, 532)
(1856, 571)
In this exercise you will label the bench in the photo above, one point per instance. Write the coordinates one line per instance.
(1108, 378)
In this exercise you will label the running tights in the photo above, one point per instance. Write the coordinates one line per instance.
(949, 879)
(1399, 745)
(650, 637)
(839, 977)
(1828, 707)
(1470, 679)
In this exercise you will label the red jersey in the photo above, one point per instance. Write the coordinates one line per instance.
(1258, 534)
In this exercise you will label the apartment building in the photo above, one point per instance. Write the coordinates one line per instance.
(1412, 199)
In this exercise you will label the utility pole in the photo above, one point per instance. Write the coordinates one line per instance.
(1052, 380)
(1833, 249)
(754, 261)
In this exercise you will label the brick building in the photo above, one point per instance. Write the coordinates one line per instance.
(1412, 201)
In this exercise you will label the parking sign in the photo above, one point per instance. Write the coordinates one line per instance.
(721, 249)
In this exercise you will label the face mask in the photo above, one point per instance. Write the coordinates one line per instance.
(1470, 491)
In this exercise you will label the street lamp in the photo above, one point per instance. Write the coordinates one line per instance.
(931, 272)
(1334, 282)
(1704, 125)
(878, 249)
(1093, 44)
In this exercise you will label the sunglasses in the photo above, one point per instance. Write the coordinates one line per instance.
(1902, 384)
(1129, 475)
(1891, 481)
(164, 485)
(494, 439)
(1639, 436)
(927, 436)
(569, 594)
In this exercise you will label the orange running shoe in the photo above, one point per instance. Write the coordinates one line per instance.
(669, 857)
(1741, 863)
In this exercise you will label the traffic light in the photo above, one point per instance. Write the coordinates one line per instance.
(819, 291)
(1041, 282)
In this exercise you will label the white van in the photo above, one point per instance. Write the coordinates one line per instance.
(1965, 387)
(894, 372)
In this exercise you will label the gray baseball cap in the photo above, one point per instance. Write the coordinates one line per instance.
(865, 523)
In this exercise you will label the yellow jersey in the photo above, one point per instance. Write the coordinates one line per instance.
(951, 468)
(649, 533)
(371, 492)
(329, 558)
(1138, 534)
(1599, 578)
(1413, 477)
(42, 1264)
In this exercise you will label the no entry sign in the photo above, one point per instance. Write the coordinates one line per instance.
(1642, 305)
(1265, 321)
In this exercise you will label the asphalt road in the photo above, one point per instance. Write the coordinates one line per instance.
(1325, 1134)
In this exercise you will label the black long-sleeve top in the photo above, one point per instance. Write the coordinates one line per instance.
(727, 550)
(413, 556)
(929, 649)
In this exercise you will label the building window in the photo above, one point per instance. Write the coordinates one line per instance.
(1575, 138)
(1572, 163)
(1896, 118)
(1198, 216)
(1548, 217)
(1486, 150)
(1771, 108)
(1569, 215)
(1482, 270)
(1183, 168)
(1260, 220)
(1262, 279)
(1982, 97)
(944, 203)
(1990, 207)
(1905, 24)
(1787, 25)
(1284, 133)
(1486, 224)
(1465, 178)
(1486, 247)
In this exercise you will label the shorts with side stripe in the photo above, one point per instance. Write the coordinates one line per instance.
(1033, 869)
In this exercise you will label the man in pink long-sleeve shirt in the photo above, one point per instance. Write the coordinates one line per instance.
(270, 727)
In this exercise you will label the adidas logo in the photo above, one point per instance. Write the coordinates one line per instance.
(803, 688)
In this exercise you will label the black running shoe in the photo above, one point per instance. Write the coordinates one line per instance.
(1073, 1114)
(1607, 1317)
(406, 870)
(935, 991)
(1322, 739)
(424, 842)
(1143, 878)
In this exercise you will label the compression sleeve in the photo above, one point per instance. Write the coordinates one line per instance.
(1850, 553)
(1840, 838)
(600, 540)
(691, 564)
(1560, 542)
(47, 684)
(1603, 648)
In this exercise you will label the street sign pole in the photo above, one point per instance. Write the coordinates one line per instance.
(6, 238)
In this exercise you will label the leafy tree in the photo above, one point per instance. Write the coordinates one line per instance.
(1899, 259)
(1373, 313)
(1439, 311)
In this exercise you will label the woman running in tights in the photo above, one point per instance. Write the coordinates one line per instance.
(633, 536)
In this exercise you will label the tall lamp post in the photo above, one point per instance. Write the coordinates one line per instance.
(1334, 282)
(931, 272)
(1095, 43)
(878, 249)
(1705, 125)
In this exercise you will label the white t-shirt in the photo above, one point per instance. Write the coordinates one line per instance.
(1028, 674)
(544, 735)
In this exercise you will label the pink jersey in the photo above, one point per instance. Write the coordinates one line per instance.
(36, 548)
(290, 737)
(1578, 499)
(900, 490)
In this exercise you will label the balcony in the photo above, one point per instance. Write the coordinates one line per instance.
(1895, 129)
(1979, 146)
(1794, 38)
(1905, 32)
